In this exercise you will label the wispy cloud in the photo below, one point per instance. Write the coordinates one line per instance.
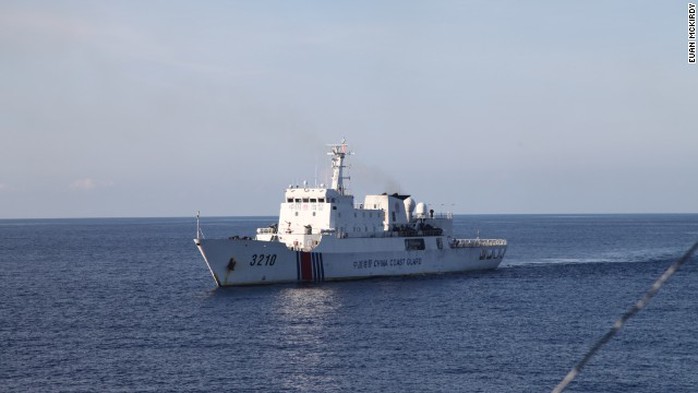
(87, 184)
(83, 184)
(48, 23)
(39, 29)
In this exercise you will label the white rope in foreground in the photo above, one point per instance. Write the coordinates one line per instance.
(628, 314)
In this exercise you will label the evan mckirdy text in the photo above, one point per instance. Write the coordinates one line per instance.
(691, 33)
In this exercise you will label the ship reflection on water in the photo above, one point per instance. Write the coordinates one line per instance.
(306, 316)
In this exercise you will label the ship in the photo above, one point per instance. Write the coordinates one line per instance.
(322, 235)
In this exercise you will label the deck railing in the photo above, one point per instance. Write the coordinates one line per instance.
(471, 243)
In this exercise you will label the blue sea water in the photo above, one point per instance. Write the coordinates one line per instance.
(128, 305)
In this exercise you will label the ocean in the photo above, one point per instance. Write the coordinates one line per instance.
(125, 305)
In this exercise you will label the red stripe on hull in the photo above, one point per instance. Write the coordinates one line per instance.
(306, 267)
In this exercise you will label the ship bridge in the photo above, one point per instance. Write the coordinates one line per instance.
(309, 213)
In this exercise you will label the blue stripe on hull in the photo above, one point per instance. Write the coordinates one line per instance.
(322, 267)
(298, 265)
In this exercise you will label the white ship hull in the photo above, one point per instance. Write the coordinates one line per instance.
(235, 262)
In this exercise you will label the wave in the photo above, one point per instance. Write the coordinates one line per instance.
(618, 256)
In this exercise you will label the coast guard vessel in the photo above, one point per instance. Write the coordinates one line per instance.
(322, 235)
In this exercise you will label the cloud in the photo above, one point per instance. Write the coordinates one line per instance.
(35, 31)
(87, 184)
(10, 188)
(83, 184)
(43, 22)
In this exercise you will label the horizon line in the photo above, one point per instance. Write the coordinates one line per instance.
(267, 216)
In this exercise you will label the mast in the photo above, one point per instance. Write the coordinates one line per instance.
(339, 153)
(199, 232)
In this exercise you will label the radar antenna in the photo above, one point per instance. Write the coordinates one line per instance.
(339, 153)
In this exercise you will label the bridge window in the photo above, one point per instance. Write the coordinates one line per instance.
(321, 200)
(289, 200)
(313, 200)
(305, 200)
(414, 244)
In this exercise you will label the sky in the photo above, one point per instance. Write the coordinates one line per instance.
(162, 108)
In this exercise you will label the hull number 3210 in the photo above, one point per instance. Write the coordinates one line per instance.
(263, 260)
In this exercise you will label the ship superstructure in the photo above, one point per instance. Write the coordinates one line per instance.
(323, 235)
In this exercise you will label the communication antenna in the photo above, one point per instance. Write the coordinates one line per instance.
(315, 174)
